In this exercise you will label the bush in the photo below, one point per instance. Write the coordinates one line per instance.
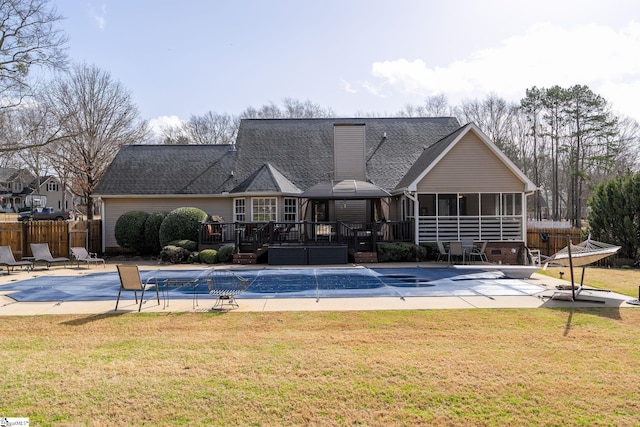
(129, 230)
(174, 254)
(180, 224)
(396, 252)
(208, 256)
(189, 245)
(225, 253)
(152, 232)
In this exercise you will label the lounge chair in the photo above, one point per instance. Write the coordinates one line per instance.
(130, 281)
(41, 253)
(7, 260)
(81, 254)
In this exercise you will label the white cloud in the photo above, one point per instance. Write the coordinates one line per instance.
(348, 87)
(99, 15)
(159, 124)
(600, 57)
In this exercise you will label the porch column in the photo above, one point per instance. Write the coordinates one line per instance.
(416, 222)
(524, 218)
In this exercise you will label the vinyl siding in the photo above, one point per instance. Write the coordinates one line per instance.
(470, 166)
(349, 150)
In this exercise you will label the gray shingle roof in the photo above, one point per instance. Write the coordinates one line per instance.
(168, 169)
(267, 179)
(292, 154)
(302, 149)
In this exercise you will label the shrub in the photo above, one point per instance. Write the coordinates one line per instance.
(174, 254)
(129, 230)
(396, 252)
(225, 253)
(208, 256)
(181, 223)
(152, 232)
(189, 245)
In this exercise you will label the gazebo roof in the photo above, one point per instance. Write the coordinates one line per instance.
(345, 189)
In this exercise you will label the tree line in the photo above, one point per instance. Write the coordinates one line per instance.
(566, 140)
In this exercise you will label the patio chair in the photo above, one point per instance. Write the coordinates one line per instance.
(478, 251)
(226, 285)
(442, 252)
(81, 254)
(41, 253)
(130, 281)
(456, 250)
(7, 260)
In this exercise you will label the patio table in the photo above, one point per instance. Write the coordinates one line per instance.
(179, 283)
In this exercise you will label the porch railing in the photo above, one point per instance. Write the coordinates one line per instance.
(432, 229)
(359, 236)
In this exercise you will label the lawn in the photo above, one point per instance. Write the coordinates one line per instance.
(620, 280)
(432, 367)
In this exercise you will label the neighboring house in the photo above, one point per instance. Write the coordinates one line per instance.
(450, 181)
(20, 189)
(49, 191)
(14, 188)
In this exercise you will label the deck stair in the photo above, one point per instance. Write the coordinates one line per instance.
(245, 258)
(365, 257)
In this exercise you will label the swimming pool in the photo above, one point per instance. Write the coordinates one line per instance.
(321, 282)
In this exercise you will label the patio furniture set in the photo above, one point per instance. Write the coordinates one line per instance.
(464, 251)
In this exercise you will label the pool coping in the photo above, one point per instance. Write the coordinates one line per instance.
(10, 307)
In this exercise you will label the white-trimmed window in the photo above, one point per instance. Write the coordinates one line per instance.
(290, 209)
(52, 186)
(264, 209)
(239, 210)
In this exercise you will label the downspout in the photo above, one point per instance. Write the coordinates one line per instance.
(416, 210)
(103, 225)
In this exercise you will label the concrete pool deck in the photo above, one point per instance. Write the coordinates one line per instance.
(11, 307)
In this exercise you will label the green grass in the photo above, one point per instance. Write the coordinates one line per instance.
(433, 367)
(622, 281)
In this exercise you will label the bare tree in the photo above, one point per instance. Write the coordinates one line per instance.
(99, 117)
(434, 106)
(173, 135)
(211, 128)
(292, 109)
(29, 36)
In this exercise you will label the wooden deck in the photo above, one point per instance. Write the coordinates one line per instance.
(293, 241)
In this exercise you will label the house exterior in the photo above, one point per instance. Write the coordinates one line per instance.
(49, 191)
(450, 182)
(14, 188)
(20, 189)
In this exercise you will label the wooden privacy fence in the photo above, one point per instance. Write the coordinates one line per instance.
(59, 235)
(551, 240)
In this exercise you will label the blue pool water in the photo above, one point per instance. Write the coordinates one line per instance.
(322, 282)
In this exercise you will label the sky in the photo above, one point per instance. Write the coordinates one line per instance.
(190, 57)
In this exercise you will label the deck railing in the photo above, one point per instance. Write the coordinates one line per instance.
(249, 236)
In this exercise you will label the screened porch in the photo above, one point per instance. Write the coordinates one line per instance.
(469, 216)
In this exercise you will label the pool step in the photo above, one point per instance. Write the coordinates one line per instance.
(365, 257)
(245, 258)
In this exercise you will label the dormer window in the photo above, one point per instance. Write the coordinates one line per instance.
(17, 187)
